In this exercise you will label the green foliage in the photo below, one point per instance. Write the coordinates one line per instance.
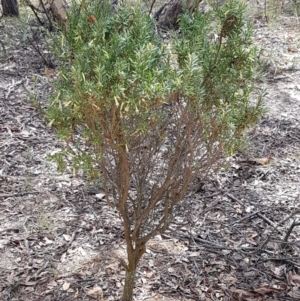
(114, 61)
(117, 62)
(226, 62)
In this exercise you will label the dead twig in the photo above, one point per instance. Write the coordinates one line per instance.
(286, 259)
(34, 10)
(151, 7)
(269, 222)
(232, 197)
(9, 195)
(36, 47)
(293, 225)
(28, 252)
(245, 217)
(51, 27)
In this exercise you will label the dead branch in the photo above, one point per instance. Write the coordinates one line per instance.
(293, 225)
(34, 10)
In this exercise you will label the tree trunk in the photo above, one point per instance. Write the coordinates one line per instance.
(10, 8)
(129, 286)
(167, 16)
(134, 256)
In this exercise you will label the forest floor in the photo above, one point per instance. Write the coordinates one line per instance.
(60, 241)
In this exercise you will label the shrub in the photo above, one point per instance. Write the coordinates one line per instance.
(148, 116)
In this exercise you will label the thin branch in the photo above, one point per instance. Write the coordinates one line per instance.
(293, 225)
(269, 222)
(47, 15)
(151, 7)
(34, 10)
(246, 217)
(39, 52)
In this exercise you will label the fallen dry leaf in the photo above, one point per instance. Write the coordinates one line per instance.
(100, 196)
(63, 257)
(294, 278)
(260, 161)
(66, 286)
(265, 290)
(67, 237)
(48, 71)
(96, 292)
(52, 284)
(48, 241)
(29, 283)
(263, 161)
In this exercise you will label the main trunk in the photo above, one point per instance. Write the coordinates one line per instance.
(129, 285)
(10, 8)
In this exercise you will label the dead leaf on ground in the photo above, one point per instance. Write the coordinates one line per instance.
(293, 279)
(49, 71)
(96, 292)
(263, 161)
(100, 196)
(66, 286)
(265, 290)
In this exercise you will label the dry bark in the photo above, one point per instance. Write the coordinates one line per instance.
(10, 8)
(168, 14)
(58, 10)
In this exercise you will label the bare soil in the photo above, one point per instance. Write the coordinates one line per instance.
(60, 241)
